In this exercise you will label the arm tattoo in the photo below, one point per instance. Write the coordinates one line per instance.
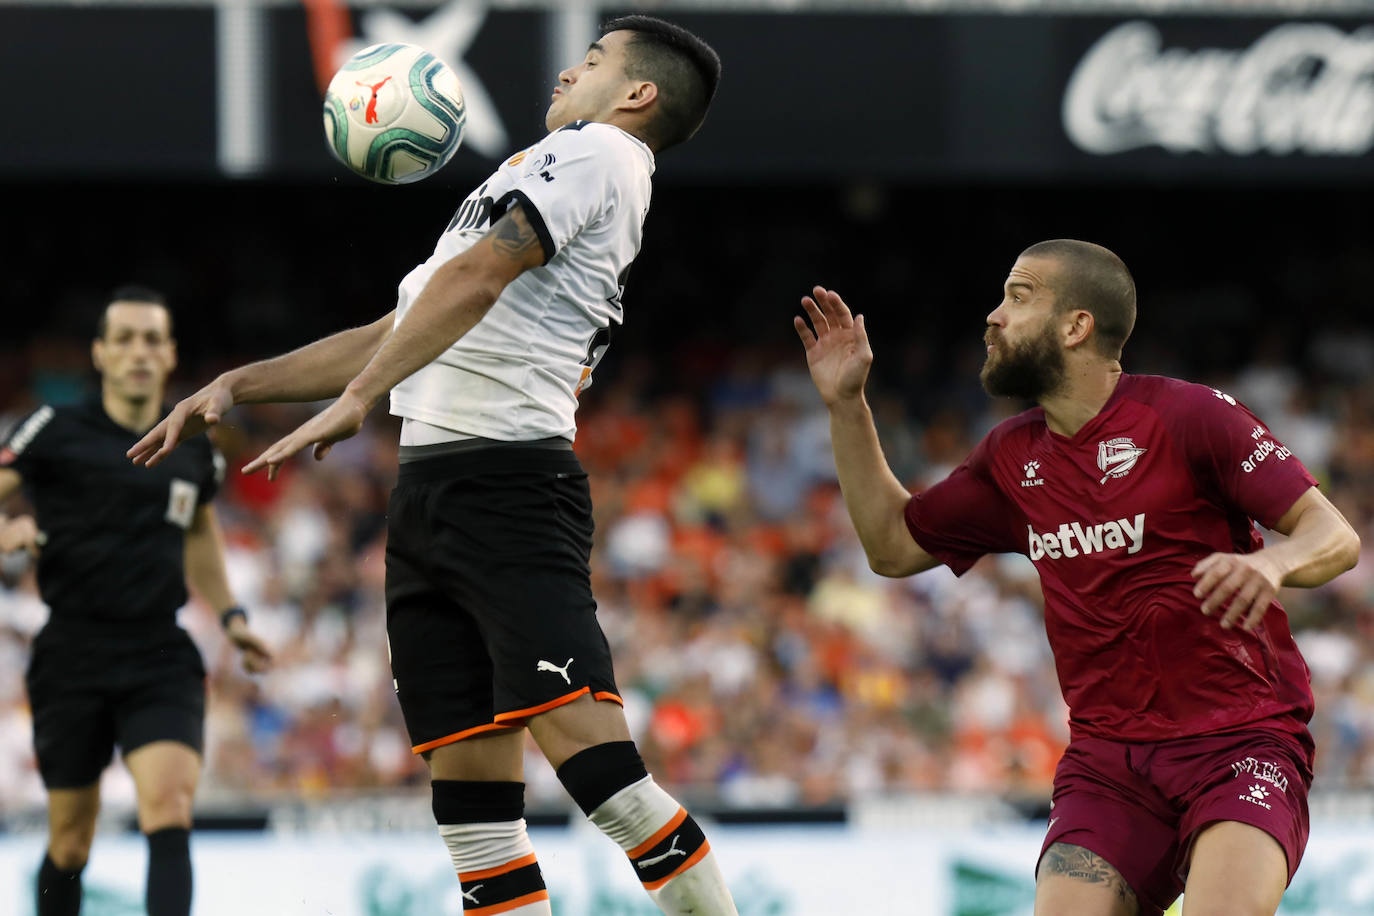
(1084, 865)
(513, 236)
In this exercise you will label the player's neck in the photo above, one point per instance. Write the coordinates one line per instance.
(1082, 396)
(631, 125)
(135, 415)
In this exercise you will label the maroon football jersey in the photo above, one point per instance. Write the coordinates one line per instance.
(1114, 518)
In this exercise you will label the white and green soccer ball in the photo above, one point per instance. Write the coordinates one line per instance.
(394, 113)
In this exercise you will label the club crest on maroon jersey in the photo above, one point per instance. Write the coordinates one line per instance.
(1116, 457)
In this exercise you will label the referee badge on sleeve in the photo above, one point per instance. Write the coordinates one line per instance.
(181, 502)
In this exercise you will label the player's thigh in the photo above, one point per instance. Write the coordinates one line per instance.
(164, 696)
(497, 756)
(529, 586)
(72, 817)
(165, 775)
(1235, 870)
(439, 661)
(1110, 831)
(1246, 794)
(73, 718)
(1074, 880)
(566, 730)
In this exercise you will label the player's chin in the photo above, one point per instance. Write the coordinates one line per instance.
(139, 387)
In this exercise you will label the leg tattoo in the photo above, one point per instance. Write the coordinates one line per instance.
(1084, 865)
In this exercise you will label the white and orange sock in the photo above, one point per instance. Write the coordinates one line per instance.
(483, 825)
(668, 851)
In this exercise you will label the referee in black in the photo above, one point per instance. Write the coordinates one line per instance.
(117, 546)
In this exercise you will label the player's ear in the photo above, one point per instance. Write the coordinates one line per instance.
(171, 355)
(640, 97)
(1080, 328)
(98, 354)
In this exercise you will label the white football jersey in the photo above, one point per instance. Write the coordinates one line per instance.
(516, 375)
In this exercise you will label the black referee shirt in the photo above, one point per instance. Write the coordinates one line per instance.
(116, 532)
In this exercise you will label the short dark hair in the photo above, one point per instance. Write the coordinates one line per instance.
(685, 69)
(1093, 279)
(141, 295)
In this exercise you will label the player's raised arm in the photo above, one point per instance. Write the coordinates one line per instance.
(311, 373)
(456, 297)
(839, 356)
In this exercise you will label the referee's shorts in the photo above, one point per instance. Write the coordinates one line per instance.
(95, 685)
(490, 615)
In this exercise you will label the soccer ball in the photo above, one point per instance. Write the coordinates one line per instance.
(394, 113)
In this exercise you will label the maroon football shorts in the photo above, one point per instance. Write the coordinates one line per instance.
(1140, 806)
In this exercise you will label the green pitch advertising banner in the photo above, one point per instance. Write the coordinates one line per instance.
(812, 871)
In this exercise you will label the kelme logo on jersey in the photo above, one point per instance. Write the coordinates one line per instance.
(1073, 539)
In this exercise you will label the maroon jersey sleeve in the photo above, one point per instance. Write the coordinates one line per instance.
(965, 515)
(1235, 457)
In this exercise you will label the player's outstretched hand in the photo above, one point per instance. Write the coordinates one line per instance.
(1242, 583)
(20, 533)
(256, 658)
(191, 417)
(837, 352)
(335, 423)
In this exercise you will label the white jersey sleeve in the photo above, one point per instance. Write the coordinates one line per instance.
(573, 183)
(516, 375)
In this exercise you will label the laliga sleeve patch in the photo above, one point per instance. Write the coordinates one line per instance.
(181, 502)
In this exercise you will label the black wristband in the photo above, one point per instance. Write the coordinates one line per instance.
(230, 614)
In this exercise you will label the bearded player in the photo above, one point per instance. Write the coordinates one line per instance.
(1136, 497)
(490, 615)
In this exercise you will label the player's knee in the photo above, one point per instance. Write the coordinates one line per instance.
(71, 830)
(70, 848)
(593, 775)
(167, 805)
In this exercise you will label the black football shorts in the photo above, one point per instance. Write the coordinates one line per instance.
(490, 615)
(93, 687)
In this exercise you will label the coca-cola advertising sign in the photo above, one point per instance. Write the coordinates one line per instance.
(1300, 89)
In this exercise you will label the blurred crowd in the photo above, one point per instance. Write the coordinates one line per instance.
(761, 662)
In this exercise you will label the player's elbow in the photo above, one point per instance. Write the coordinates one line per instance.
(486, 290)
(1344, 548)
(1349, 551)
(894, 565)
(887, 568)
